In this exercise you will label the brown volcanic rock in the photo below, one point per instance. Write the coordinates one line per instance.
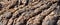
(29, 12)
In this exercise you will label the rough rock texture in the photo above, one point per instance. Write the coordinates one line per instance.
(29, 12)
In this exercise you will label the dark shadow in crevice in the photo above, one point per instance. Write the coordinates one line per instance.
(54, 2)
(9, 0)
(56, 20)
(1, 6)
(18, 15)
(27, 1)
(16, 4)
(9, 16)
(20, 3)
(58, 3)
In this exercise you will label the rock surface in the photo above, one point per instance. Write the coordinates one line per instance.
(30, 12)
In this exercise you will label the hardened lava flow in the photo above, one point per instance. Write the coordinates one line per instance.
(29, 12)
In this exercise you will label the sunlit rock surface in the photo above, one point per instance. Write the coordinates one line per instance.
(29, 12)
